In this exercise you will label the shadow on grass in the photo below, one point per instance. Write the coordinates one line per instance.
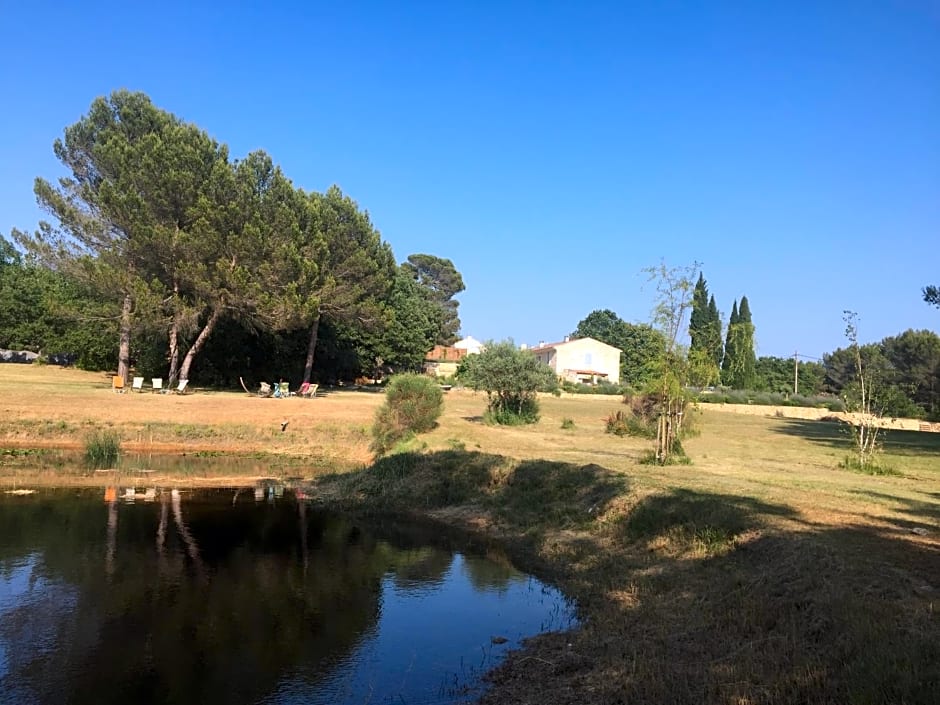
(540, 493)
(687, 516)
(923, 514)
(531, 495)
(698, 597)
(835, 434)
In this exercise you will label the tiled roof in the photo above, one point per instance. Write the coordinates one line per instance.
(444, 353)
(546, 346)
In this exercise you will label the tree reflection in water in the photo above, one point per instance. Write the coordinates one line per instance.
(235, 602)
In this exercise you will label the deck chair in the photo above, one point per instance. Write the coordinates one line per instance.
(117, 384)
(307, 390)
(265, 390)
(284, 389)
(157, 383)
(181, 387)
(138, 384)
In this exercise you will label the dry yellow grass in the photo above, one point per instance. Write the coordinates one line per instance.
(50, 406)
(762, 573)
(765, 457)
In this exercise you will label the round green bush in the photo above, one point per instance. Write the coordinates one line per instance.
(413, 403)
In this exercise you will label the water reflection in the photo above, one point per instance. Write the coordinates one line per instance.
(215, 597)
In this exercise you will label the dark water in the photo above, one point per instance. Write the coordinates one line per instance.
(225, 597)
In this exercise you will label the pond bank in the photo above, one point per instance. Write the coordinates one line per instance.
(685, 596)
(58, 466)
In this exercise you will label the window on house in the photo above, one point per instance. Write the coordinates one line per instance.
(587, 359)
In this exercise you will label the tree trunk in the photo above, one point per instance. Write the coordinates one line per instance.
(124, 347)
(200, 341)
(311, 348)
(174, 352)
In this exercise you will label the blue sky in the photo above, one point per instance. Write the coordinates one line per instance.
(552, 150)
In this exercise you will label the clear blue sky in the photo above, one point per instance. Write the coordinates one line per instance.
(552, 149)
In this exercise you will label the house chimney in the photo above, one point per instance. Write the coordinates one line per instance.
(523, 347)
(541, 343)
(567, 338)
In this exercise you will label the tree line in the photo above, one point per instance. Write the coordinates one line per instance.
(905, 367)
(164, 250)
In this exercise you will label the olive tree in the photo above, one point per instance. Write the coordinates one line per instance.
(511, 379)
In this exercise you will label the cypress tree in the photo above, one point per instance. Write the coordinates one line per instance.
(747, 356)
(729, 359)
(699, 319)
(714, 332)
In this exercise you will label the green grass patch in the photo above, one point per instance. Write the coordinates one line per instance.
(678, 457)
(871, 467)
(102, 449)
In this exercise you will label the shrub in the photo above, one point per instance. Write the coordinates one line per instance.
(517, 413)
(102, 449)
(413, 403)
(628, 424)
(567, 424)
(741, 396)
(511, 378)
(602, 387)
(640, 420)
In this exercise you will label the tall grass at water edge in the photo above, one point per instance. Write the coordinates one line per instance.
(102, 449)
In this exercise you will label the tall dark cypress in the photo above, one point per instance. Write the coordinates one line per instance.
(714, 332)
(729, 360)
(746, 354)
(699, 319)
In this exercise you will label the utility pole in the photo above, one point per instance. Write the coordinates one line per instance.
(796, 373)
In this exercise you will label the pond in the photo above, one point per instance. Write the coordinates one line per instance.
(250, 596)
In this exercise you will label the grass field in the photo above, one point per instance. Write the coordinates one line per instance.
(761, 573)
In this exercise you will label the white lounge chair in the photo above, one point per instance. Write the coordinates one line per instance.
(181, 387)
(138, 384)
(157, 384)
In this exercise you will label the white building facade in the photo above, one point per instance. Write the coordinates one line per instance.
(584, 360)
